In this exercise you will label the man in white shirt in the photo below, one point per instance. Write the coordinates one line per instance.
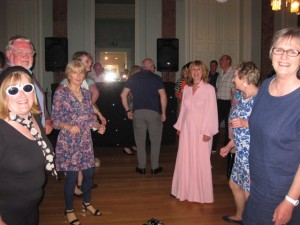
(224, 87)
(98, 75)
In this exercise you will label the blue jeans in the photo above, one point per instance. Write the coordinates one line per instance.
(70, 184)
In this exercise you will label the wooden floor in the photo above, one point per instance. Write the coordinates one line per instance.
(128, 198)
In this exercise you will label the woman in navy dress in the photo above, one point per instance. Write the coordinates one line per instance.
(275, 138)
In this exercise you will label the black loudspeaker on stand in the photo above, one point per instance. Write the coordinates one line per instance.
(56, 53)
(167, 54)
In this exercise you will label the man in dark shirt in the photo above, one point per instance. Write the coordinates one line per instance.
(149, 111)
(213, 74)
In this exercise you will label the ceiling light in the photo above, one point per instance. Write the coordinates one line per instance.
(292, 5)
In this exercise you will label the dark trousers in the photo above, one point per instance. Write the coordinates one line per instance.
(129, 139)
(223, 114)
(70, 184)
(143, 120)
(28, 214)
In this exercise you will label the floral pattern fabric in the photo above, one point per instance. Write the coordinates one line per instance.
(240, 172)
(74, 152)
(236, 95)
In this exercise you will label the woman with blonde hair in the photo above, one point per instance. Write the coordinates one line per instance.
(87, 60)
(25, 151)
(73, 115)
(246, 77)
(197, 123)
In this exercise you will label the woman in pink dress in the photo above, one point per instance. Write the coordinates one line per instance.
(197, 123)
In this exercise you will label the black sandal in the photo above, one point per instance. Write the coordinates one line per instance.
(84, 208)
(78, 195)
(73, 222)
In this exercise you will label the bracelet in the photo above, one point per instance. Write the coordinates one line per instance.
(292, 201)
(129, 110)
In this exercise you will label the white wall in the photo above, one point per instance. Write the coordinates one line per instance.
(148, 23)
(47, 30)
(81, 26)
(215, 29)
(181, 30)
(256, 32)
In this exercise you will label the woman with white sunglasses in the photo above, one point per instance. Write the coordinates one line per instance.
(25, 151)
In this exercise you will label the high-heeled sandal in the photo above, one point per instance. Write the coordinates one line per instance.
(78, 189)
(84, 208)
(73, 222)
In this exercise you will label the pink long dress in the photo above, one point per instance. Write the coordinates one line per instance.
(192, 179)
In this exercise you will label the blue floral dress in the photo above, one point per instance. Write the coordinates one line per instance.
(74, 152)
(240, 171)
(236, 95)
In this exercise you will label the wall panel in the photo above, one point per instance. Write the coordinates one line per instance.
(215, 29)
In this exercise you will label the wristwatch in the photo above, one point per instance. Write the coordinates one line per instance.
(290, 200)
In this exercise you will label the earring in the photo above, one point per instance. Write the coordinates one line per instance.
(245, 85)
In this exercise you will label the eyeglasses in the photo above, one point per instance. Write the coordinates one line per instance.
(23, 53)
(88, 61)
(13, 90)
(289, 52)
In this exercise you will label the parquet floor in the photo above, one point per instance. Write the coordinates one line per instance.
(128, 198)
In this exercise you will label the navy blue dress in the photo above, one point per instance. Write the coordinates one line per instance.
(274, 154)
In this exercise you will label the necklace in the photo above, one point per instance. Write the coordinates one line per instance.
(49, 156)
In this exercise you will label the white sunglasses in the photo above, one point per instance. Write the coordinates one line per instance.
(14, 90)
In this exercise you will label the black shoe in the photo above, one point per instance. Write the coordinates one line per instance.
(172, 196)
(140, 171)
(227, 219)
(157, 170)
(78, 188)
(127, 151)
(77, 195)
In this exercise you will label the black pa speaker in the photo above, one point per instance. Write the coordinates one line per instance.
(56, 53)
(167, 54)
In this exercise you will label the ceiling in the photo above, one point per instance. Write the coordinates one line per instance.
(114, 1)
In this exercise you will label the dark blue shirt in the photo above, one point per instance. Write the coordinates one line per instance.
(144, 87)
(213, 78)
